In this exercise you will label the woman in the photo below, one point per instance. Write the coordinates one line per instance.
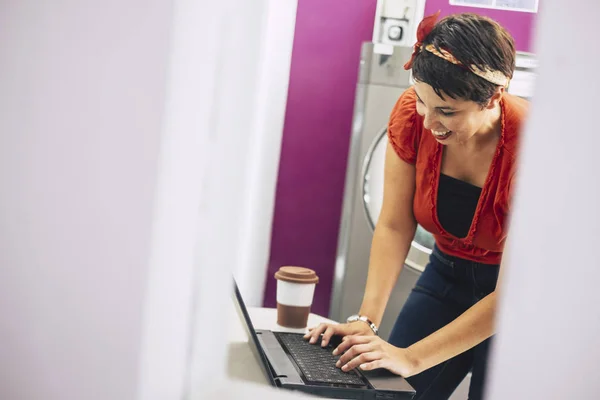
(450, 166)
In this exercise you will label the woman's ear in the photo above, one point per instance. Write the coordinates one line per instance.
(495, 100)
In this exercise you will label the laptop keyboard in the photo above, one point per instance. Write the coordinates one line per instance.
(317, 363)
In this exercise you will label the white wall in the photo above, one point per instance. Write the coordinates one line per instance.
(209, 219)
(81, 104)
(277, 36)
(548, 344)
(129, 140)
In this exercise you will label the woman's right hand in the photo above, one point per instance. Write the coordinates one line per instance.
(328, 330)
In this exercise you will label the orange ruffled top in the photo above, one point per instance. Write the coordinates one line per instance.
(416, 145)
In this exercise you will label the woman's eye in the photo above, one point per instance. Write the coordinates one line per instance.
(447, 113)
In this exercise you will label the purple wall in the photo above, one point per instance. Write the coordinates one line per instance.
(519, 24)
(316, 135)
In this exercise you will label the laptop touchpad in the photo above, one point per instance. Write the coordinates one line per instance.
(382, 379)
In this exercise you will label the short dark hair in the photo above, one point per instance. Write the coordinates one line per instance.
(473, 40)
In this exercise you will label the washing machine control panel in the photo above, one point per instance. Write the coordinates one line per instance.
(394, 31)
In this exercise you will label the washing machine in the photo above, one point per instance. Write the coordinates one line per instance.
(382, 79)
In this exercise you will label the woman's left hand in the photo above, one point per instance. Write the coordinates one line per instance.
(372, 352)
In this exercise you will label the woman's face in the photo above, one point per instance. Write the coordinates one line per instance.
(454, 120)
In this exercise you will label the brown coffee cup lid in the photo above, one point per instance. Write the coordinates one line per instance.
(297, 275)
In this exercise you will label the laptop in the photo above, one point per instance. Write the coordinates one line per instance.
(290, 362)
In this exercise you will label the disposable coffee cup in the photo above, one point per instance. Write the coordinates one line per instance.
(295, 290)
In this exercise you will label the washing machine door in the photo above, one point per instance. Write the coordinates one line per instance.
(372, 195)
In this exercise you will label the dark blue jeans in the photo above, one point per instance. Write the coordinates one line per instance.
(446, 289)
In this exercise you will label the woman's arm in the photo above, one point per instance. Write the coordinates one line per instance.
(467, 331)
(393, 234)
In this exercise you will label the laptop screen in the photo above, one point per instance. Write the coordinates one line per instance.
(252, 337)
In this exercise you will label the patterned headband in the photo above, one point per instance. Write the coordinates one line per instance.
(425, 28)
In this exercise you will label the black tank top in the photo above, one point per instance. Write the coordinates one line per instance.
(456, 204)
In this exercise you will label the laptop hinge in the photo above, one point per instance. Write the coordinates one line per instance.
(284, 370)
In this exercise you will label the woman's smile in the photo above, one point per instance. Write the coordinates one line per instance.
(441, 135)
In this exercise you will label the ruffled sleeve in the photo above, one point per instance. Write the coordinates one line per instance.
(403, 132)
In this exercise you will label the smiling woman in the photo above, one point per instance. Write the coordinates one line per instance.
(465, 64)
(445, 116)
(450, 167)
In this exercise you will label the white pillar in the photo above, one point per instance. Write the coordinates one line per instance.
(548, 345)
(226, 93)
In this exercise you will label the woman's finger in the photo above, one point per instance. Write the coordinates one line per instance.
(362, 359)
(329, 332)
(351, 341)
(354, 351)
(313, 335)
(368, 366)
(316, 332)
